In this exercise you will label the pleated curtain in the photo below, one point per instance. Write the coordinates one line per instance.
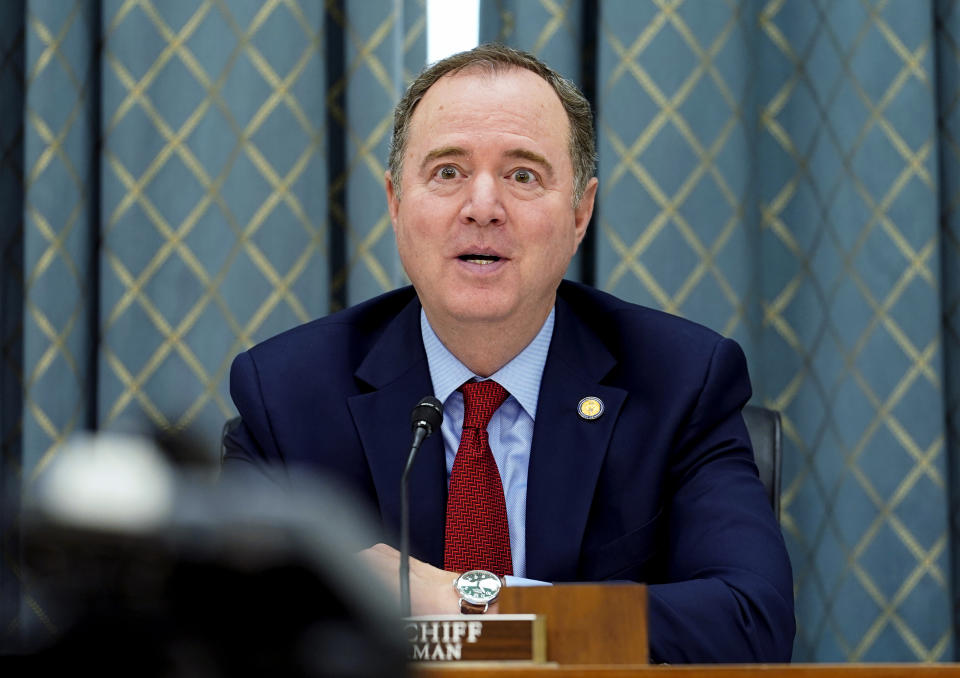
(180, 179)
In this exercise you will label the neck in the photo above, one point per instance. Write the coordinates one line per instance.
(485, 347)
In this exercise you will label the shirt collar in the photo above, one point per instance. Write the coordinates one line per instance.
(521, 376)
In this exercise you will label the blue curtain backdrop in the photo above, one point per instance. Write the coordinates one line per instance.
(178, 180)
(181, 179)
(787, 173)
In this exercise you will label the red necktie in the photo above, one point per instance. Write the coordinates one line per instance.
(477, 533)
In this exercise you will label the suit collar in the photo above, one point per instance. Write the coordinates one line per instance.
(396, 368)
(398, 350)
(579, 347)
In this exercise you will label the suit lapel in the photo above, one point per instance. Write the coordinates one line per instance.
(567, 451)
(397, 369)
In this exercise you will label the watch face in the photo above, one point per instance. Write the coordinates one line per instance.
(478, 586)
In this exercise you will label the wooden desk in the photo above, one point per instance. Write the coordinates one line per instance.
(602, 622)
(708, 671)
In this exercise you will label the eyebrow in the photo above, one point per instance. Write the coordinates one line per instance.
(523, 154)
(443, 152)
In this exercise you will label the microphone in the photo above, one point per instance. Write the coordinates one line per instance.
(425, 419)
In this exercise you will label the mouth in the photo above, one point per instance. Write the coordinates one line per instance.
(481, 259)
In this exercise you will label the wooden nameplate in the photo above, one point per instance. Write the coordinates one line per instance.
(478, 637)
(587, 623)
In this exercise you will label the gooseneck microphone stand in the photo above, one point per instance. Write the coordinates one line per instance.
(425, 419)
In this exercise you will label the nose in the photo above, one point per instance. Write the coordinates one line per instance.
(483, 205)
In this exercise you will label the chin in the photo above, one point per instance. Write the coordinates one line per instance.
(481, 308)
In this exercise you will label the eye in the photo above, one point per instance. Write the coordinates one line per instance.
(522, 176)
(447, 172)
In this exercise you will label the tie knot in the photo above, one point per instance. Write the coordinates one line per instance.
(480, 400)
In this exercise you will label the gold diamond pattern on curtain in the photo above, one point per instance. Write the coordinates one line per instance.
(214, 218)
(674, 168)
(57, 147)
(224, 187)
(551, 29)
(768, 169)
(210, 203)
(384, 46)
(851, 307)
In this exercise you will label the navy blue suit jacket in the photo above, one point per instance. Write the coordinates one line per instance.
(662, 488)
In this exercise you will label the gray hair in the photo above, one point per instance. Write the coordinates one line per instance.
(496, 58)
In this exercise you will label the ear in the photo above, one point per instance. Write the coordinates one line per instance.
(393, 200)
(584, 210)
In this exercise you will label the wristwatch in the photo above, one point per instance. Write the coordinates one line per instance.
(478, 589)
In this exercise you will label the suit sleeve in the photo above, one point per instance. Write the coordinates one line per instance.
(250, 448)
(729, 593)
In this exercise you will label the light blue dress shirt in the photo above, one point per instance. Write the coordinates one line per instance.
(511, 428)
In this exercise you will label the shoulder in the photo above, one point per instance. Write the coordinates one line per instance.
(662, 355)
(341, 338)
(626, 328)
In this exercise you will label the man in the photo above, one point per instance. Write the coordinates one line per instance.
(616, 443)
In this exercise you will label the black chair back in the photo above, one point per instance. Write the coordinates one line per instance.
(763, 425)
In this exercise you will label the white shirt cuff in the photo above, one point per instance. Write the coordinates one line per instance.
(523, 581)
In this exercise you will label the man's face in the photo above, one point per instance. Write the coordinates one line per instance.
(486, 224)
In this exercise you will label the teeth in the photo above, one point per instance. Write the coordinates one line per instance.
(479, 258)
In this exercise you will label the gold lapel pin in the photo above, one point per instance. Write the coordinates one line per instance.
(590, 407)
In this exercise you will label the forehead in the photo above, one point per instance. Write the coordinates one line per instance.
(480, 105)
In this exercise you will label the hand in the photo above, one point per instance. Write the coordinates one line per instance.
(431, 589)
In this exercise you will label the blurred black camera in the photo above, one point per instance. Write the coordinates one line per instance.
(149, 568)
